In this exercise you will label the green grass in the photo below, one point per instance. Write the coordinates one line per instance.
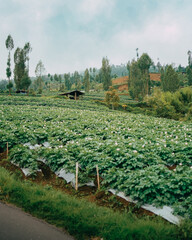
(80, 217)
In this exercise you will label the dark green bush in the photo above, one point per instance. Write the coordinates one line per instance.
(171, 105)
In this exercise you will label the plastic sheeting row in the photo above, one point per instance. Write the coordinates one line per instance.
(165, 212)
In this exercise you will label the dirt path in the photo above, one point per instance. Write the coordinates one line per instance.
(18, 225)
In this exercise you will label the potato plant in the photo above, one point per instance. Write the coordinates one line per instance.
(148, 158)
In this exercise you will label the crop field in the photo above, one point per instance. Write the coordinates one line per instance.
(149, 159)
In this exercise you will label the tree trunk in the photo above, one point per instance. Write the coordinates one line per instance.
(9, 88)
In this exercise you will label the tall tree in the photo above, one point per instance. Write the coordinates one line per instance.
(139, 80)
(98, 77)
(158, 66)
(94, 71)
(106, 74)
(39, 72)
(68, 83)
(27, 49)
(21, 70)
(169, 79)
(189, 75)
(135, 83)
(189, 68)
(144, 63)
(9, 45)
(77, 79)
(137, 53)
(189, 58)
(20, 67)
(25, 81)
(86, 80)
(60, 81)
(56, 78)
(40, 69)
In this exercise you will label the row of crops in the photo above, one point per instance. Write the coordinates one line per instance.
(56, 101)
(149, 159)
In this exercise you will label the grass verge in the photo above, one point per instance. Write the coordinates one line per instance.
(79, 217)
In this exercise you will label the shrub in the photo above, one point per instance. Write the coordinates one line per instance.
(171, 105)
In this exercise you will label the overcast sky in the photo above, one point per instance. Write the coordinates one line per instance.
(69, 35)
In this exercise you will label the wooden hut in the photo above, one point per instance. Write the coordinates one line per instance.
(73, 94)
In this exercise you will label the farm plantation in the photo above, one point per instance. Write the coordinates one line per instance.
(147, 158)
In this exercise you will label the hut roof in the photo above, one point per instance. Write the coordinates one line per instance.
(78, 93)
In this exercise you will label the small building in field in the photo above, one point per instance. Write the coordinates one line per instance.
(73, 94)
(21, 91)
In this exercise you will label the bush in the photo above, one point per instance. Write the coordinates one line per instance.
(171, 105)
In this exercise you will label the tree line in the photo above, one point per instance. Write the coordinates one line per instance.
(139, 83)
(21, 68)
(92, 78)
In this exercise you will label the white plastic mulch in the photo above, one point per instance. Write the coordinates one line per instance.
(166, 212)
(70, 177)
